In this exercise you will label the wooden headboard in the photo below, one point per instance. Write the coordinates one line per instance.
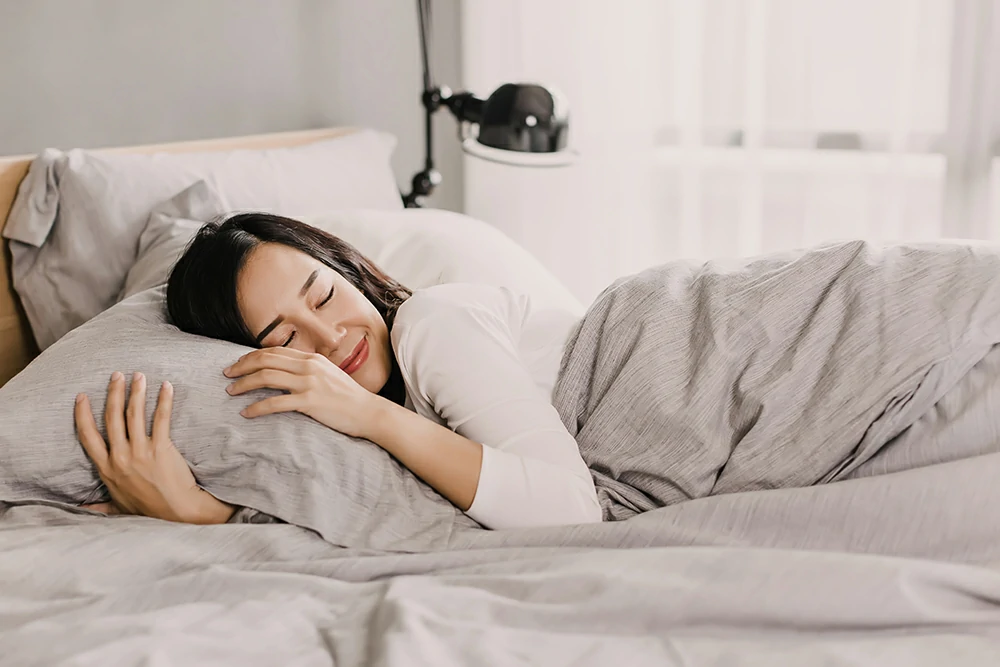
(17, 345)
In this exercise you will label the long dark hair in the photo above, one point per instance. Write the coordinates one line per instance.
(201, 291)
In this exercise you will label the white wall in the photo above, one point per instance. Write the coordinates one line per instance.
(95, 73)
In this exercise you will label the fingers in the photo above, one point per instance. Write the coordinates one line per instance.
(272, 405)
(164, 408)
(273, 379)
(89, 436)
(277, 358)
(135, 414)
(114, 415)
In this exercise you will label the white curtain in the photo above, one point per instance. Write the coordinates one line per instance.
(732, 127)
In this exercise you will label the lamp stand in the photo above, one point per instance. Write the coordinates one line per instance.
(464, 106)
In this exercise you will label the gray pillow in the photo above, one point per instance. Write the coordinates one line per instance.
(348, 490)
(75, 224)
(170, 227)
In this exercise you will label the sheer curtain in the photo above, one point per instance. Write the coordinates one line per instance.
(731, 127)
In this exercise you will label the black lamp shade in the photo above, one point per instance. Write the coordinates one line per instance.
(524, 117)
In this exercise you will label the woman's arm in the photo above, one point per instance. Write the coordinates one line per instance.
(444, 459)
(457, 354)
(145, 474)
(532, 492)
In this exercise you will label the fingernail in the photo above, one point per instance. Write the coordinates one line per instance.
(137, 377)
(243, 412)
(79, 398)
(167, 385)
(225, 371)
(116, 376)
(229, 388)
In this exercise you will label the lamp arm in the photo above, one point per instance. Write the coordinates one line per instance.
(424, 181)
(466, 107)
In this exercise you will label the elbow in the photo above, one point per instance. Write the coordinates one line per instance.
(579, 506)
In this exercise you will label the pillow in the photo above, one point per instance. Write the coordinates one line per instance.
(348, 490)
(418, 247)
(75, 225)
(424, 247)
(170, 227)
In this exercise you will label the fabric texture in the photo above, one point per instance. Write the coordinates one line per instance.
(170, 227)
(75, 224)
(349, 491)
(131, 590)
(482, 361)
(687, 381)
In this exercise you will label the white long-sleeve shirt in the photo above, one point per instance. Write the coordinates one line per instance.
(482, 361)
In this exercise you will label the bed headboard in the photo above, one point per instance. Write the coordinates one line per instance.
(17, 345)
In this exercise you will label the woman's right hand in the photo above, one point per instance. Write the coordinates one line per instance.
(144, 474)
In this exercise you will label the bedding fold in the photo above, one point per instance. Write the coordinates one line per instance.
(687, 381)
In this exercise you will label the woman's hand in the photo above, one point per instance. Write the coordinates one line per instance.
(144, 474)
(316, 386)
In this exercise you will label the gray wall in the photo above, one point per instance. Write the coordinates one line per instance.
(97, 73)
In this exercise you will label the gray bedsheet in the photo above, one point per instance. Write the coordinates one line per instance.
(84, 590)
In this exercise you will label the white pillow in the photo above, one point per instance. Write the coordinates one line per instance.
(76, 222)
(418, 247)
(424, 247)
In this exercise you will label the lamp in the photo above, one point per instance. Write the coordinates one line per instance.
(520, 124)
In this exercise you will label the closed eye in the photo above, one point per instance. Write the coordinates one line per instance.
(328, 297)
(319, 305)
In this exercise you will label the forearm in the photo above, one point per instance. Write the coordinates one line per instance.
(206, 509)
(447, 461)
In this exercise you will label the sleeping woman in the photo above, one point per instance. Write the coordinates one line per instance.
(683, 381)
(455, 381)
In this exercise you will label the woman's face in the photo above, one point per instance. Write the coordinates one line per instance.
(289, 299)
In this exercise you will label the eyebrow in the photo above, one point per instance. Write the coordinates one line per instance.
(276, 321)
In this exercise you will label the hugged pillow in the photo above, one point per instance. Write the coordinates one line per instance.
(348, 490)
(75, 225)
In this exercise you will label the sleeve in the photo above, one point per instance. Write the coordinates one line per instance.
(460, 360)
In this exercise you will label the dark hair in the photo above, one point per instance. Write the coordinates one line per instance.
(201, 291)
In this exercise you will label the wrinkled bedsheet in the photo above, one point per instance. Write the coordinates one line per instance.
(84, 590)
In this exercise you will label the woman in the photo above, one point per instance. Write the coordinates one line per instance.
(454, 381)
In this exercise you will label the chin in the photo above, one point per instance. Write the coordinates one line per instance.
(372, 379)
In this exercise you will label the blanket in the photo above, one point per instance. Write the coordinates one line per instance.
(799, 368)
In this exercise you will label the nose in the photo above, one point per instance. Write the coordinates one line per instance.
(329, 337)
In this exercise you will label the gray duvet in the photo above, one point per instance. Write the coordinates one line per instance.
(794, 369)
(801, 453)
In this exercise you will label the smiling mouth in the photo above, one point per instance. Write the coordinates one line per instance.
(356, 358)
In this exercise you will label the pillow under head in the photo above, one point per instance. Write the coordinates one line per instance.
(348, 490)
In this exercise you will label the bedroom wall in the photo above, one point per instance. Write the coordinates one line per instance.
(94, 73)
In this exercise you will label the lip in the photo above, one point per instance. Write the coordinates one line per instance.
(357, 357)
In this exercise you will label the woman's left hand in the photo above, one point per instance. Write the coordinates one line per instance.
(316, 386)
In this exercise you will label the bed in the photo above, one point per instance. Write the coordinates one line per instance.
(787, 576)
